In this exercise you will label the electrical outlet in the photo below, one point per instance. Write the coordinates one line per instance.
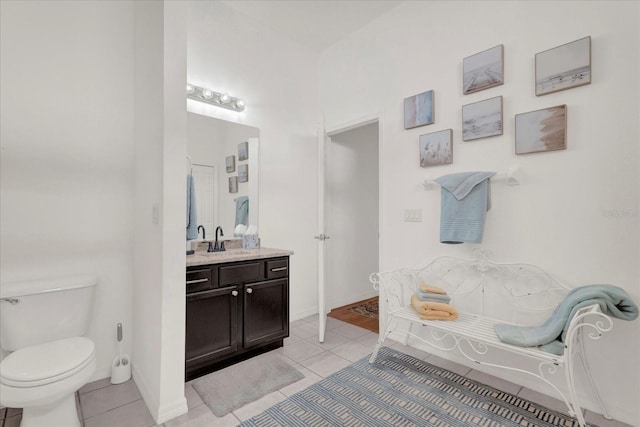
(413, 215)
(155, 213)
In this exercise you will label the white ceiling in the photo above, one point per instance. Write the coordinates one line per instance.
(316, 24)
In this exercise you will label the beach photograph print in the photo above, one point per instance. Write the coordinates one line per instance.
(418, 110)
(564, 67)
(483, 70)
(482, 119)
(541, 130)
(436, 148)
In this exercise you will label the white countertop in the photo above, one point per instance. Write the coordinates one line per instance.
(231, 255)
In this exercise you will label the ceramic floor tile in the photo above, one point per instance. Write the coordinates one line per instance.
(334, 323)
(350, 331)
(106, 398)
(411, 351)
(326, 363)
(305, 330)
(352, 351)
(134, 414)
(300, 350)
(201, 416)
(448, 365)
(309, 379)
(291, 339)
(192, 396)
(331, 340)
(494, 382)
(370, 339)
(95, 385)
(254, 408)
(600, 421)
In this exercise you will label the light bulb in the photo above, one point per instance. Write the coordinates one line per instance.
(207, 93)
(224, 98)
(189, 88)
(240, 104)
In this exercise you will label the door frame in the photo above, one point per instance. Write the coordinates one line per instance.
(324, 138)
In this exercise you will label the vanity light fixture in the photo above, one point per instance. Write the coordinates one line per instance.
(214, 98)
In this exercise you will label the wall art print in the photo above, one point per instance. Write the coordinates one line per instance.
(419, 110)
(233, 184)
(541, 130)
(483, 70)
(243, 173)
(230, 163)
(243, 151)
(564, 67)
(436, 148)
(482, 119)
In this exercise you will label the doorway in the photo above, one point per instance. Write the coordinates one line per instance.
(352, 214)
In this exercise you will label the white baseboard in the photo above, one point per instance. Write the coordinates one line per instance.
(301, 314)
(159, 414)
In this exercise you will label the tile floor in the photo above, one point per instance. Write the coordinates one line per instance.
(104, 405)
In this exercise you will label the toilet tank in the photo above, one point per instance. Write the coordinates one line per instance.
(39, 311)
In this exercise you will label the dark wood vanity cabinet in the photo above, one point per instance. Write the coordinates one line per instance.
(234, 311)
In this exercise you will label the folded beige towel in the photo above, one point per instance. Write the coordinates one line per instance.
(432, 289)
(429, 310)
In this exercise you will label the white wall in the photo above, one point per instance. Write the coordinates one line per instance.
(352, 215)
(159, 246)
(66, 187)
(278, 81)
(576, 212)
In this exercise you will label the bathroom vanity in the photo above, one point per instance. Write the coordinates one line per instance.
(237, 306)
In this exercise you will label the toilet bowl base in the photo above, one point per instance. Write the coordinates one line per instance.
(64, 412)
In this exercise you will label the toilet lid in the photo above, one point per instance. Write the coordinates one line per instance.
(46, 363)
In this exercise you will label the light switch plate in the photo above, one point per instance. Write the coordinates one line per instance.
(413, 215)
(155, 213)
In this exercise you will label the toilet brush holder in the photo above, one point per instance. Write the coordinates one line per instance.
(120, 369)
(121, 365)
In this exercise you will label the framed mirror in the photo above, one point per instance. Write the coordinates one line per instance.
(210, 144)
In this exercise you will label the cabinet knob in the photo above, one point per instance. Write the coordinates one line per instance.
(249, 290)
(234, 293)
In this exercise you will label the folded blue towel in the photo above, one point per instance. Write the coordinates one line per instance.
(192, 218)
(552, 333)
(465, 200)
(430, 296)
(242, 210)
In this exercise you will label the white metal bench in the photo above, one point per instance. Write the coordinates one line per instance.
(486, 293)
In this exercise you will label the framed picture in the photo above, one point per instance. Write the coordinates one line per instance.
(243, 173)
(482, 119)
(243, 151)
(483, 70)
(436, 148)
(230, 162)
(233, 184)
(418, 110)
(564, 67)
(541, 130)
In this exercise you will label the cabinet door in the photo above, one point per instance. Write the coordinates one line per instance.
(266, 311)
(211, 325)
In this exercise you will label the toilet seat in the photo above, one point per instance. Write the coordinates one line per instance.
(46, 363)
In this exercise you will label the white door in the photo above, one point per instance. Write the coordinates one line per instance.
(321, 236)
(204, 178)
(347, 244)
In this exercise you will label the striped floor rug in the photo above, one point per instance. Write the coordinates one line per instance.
(400, 390)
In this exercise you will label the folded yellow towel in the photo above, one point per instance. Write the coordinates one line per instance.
(429, 310)
(432, 289)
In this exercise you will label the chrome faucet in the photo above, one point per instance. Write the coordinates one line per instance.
(204, 236)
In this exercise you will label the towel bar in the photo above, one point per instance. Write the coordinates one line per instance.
(511, 176)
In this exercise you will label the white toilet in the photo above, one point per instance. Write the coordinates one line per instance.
(41, 324)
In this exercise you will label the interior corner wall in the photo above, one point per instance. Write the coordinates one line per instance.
(575, 213)
(160, 192)
(277, 78)
(66, 186)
